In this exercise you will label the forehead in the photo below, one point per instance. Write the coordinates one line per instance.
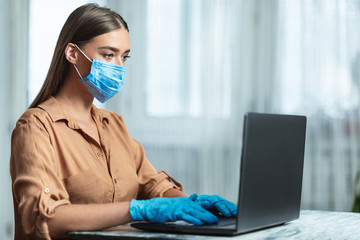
(118, 38)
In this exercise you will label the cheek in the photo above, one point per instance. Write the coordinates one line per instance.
(84, 68)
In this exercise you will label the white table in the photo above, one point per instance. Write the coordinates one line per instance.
(311, 225)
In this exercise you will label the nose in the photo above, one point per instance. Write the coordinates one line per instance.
(120, 61)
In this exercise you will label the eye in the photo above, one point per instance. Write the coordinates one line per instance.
(124, 58)
(108, 55)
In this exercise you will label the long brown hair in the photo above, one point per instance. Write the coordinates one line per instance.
(83, 24)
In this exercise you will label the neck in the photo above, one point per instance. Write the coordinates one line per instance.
(75, 98)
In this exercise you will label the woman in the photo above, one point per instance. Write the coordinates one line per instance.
(75, 167)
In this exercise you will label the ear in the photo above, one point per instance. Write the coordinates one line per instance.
(71, 53)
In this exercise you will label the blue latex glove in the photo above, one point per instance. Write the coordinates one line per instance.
(170, 209)
(217, 204)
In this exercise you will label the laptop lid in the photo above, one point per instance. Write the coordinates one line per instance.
(271, 170)
(270, 177)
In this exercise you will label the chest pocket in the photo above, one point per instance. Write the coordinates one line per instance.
(88, 187)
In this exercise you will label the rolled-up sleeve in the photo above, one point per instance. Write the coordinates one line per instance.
(152, 183)
(37, 190)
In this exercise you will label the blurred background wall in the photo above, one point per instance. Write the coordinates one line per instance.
(196, 67)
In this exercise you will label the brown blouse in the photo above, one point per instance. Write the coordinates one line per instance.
(54, 162)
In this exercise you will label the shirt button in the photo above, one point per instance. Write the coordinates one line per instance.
(115, 181)
(99, 154)
(47, 190)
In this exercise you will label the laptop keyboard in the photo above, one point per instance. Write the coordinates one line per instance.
(229, 223)
(226, 221)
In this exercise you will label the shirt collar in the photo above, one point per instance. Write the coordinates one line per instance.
(101, 115)
(57, 112)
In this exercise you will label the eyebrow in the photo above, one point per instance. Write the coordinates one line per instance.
(113, 49)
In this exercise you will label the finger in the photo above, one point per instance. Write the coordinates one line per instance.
(190, 219)
(222, 208)
(193, 197)
(204, 215)
(232, 207)
(204, 202)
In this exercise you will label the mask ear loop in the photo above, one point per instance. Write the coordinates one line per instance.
(78, 71)
(82, 52)
(85, 56)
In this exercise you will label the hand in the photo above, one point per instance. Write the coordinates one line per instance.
(170, 209)
(215, 203)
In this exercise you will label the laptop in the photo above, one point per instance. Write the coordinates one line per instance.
(271, 173)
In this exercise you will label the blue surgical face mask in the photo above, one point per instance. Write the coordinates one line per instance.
(105, 79)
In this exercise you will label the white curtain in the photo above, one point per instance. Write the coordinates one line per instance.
(319, 72)
(198, 66)
(13, 69)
